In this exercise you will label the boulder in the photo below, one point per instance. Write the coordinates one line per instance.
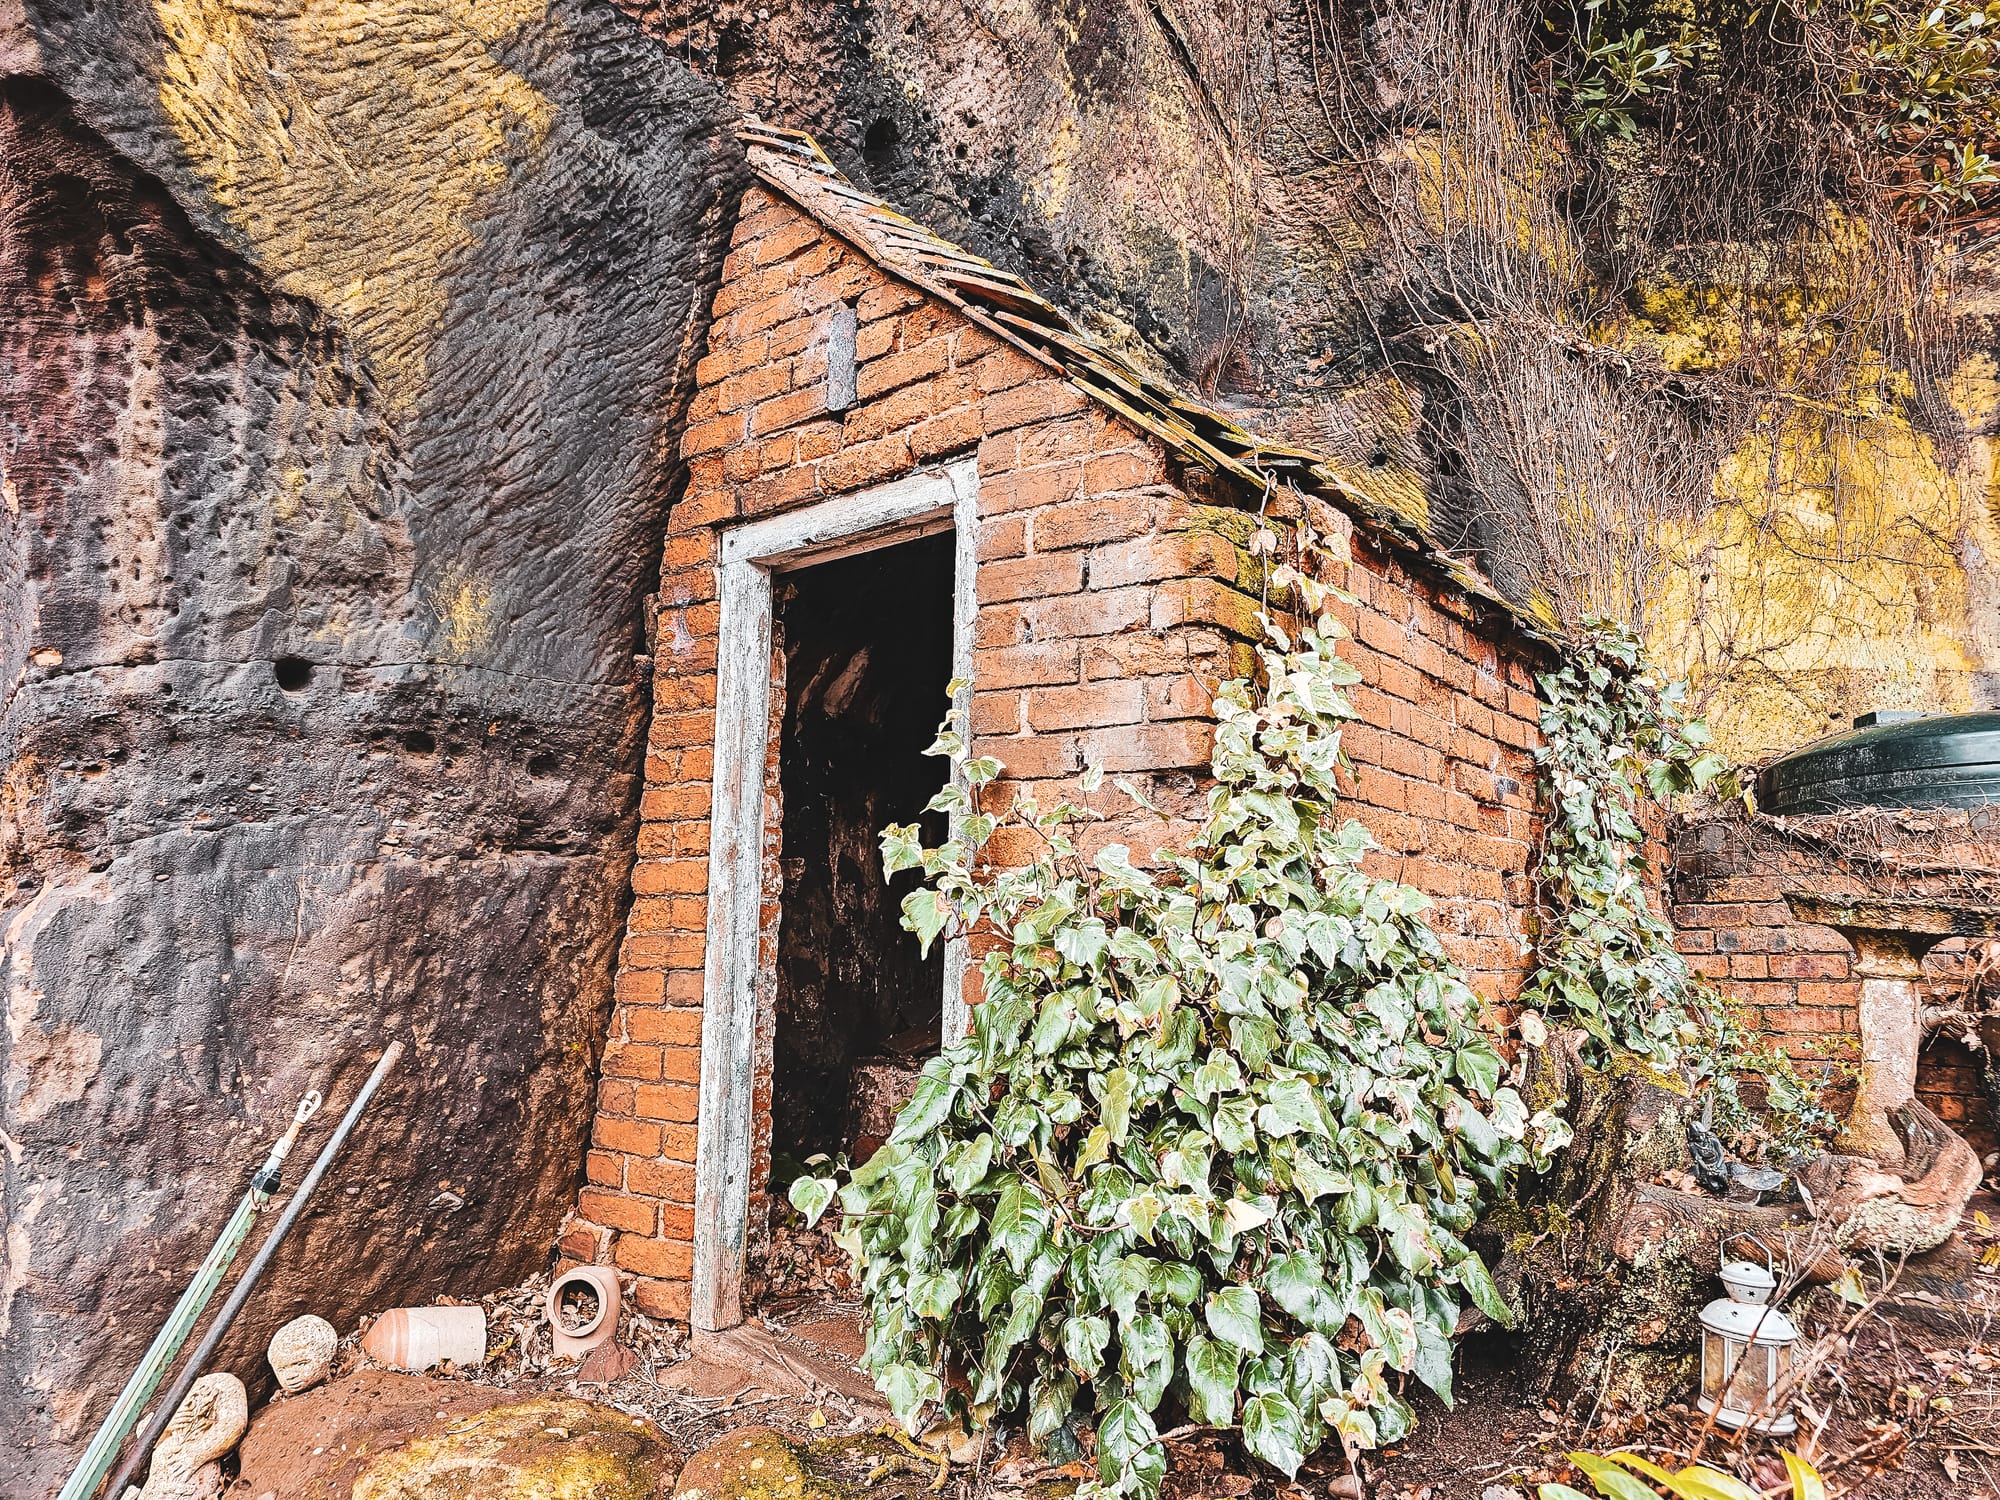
(548, 1448)
(752, 1463)
(345, 347)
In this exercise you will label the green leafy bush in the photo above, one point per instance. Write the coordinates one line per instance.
(1218, 1131)
(1612, 735)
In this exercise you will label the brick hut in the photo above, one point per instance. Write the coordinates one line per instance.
(905, 468)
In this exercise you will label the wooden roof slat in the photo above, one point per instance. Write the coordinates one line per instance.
(1007, 307)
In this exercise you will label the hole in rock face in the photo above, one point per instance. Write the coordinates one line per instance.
(294, 673)
(420, 742)
(878, 143)
(541, 763)
(867, 643)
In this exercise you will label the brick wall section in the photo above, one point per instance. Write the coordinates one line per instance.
(1443, 762)
(1111, 601)
(1794, 980)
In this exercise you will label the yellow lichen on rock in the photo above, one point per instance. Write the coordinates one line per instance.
(1829, 580)
(351, 144)
(550, 1448)
(755, 1463)
(464, 607)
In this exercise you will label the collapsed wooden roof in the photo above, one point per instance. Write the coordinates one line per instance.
(792, 164)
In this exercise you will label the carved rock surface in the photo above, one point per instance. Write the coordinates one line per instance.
(208, 1423)
(342, 350)
(301, 1353)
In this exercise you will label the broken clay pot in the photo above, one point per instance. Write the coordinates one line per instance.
(421, 1338)
(582, 1308)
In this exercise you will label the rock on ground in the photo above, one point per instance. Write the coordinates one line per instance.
(547, 1448)
(752, 1463)
(343, 348)
(376, 1434)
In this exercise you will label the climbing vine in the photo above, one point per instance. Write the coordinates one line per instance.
(1612, 734)
(1214, 1143)
(1915, 85)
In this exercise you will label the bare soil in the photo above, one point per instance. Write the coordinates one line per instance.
(1903, 1404)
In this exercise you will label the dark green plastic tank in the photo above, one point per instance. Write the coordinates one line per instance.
(1890, 760)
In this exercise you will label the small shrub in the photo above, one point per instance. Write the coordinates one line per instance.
(1219, 1129)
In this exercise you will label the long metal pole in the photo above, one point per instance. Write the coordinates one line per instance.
(187, 1312)
(247, 1283)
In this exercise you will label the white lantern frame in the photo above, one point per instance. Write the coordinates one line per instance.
(1746, 1352)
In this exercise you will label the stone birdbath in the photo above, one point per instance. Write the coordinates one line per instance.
(1890, 938)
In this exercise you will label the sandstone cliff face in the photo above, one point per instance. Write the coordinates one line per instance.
(343, 345)
(341, 355)
(1296, 205)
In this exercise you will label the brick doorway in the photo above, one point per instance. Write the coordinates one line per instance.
(801, 569)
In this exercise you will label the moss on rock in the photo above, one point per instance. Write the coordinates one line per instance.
(550, 1448)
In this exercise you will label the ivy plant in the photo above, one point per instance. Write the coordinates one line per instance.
(1612, 735)
(1211, 1149)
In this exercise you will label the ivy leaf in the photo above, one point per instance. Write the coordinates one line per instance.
(1176, 1283)
(1479, 1065)
(902, 848)
(909, 1389)
(1273, 1432)
(810, 1196)
(1297, 1283)
(925, 915)
(1433, 1366)
(1289, 1108)
(1083, 944)
(969, 1169)
(932, 1296)
(928, 1106)
(1084, 1340)
(1235, 1315)
(1146, 1358)
(1117, 1102)
(1234, 1125)
(1315, 1181)
(1211, 1372)
(1478, 1283)
(1125, 1434)
(1049, 1405)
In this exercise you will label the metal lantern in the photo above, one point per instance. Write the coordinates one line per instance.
(1746, 1351)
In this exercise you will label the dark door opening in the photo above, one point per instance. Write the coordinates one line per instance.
(867, 644)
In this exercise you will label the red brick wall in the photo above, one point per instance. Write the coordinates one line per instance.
(1444, 774)
(1110, 604)
(1794, 980)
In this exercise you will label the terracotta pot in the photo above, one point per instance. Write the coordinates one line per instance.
(588, 1283)
(418, 1338)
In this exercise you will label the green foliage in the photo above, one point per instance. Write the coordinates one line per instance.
(1923, 78)
(1613, 63)
(1792, 1121)
(1917, 80)
(1619, 1476)
(1612, 734)
(1220, 1127)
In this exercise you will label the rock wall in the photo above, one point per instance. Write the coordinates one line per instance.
(342, 352)
(1259, 197)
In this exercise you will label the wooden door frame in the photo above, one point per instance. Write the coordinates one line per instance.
(751, 552)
